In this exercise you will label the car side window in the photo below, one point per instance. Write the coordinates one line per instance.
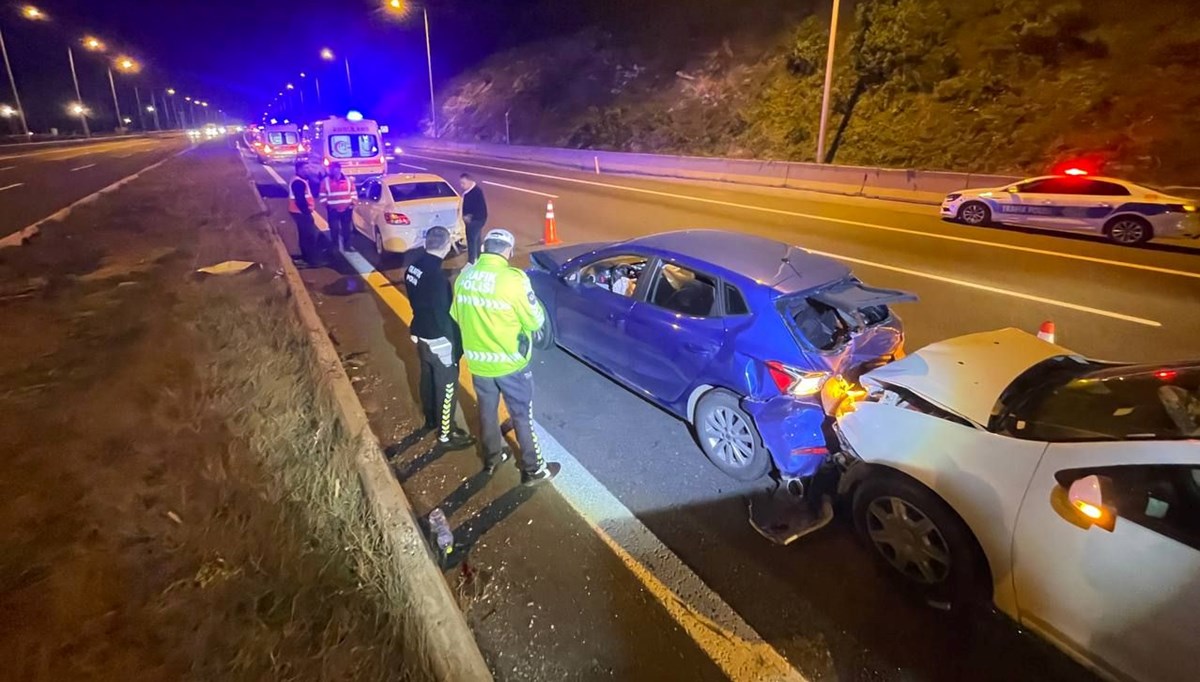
(1034, 187)
(684, 291)
(1164, 498)
(735, 303)
(1107, 189)
(376, 191)
(618, 274)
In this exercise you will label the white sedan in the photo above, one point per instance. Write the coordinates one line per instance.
(1065, 490)
(395, 211)
(1121, 211)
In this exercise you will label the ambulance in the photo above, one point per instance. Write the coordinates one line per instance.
(352, 141)
(279, 143)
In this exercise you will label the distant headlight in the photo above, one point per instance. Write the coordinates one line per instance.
(954, 197)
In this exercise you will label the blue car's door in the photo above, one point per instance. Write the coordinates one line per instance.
(675, 332)
(593, 312)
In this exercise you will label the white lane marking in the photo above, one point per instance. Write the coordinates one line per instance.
(7, 168)
(994, 290)
(276, 176)
(728, 640)
(85, 149)
(840, 221)
(520, 189)
(721, 633)
(83, 167)
(15, 184)
(409, 165)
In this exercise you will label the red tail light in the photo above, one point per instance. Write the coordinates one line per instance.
(267, 148)
(796, 382)
(396, 219)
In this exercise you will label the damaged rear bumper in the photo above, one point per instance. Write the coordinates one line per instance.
(793, 430)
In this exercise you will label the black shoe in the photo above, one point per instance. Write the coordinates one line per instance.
(457, 440)
(492, 461)
(544, 474)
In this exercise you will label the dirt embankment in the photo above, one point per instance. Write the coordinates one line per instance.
(174, 499)
(1010, 86)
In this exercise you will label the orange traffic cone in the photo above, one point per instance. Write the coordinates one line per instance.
(550, 233)
(1046, 332)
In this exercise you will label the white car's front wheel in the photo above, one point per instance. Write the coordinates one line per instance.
(975, 213)
(918, 536)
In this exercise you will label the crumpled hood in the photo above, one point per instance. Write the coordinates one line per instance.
(967, 374)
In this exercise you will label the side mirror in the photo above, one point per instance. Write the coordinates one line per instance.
(1087, 496)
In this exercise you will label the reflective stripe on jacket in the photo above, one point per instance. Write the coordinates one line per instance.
(338, 194)
(497, 311)
(293, 207)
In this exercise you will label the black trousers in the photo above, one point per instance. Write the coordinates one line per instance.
(517, 389)
(439, 379)
(310, 239)
(341, 227)
(474, 239)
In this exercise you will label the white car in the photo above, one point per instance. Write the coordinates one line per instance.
(1066, 490)
(395, 211)
(1121, 211)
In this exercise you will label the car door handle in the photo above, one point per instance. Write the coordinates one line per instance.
(1104, 205)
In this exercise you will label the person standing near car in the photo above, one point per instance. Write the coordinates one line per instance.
(338, 195)
(301, 206)
(498, 313)
(439, 343)
(474, 213)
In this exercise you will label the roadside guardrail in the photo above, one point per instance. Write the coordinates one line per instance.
(920, 186)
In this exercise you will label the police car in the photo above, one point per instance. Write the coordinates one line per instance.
(1121, 211)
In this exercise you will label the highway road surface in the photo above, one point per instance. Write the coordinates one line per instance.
(819, 605)
(38, 180)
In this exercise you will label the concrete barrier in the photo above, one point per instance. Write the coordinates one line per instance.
(921, 186)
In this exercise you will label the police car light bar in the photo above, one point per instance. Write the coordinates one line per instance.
(1075, 171)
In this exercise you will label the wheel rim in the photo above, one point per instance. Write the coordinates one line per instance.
(973, 214)
(908, 539)
(728, 437)
(1127, 231)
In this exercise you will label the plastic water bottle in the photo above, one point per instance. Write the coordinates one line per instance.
(441, 530)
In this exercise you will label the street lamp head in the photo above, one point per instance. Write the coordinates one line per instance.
(303, 75)
(397, 8)
(126, 120)
(327, 54)
(32, 13)
(187, 98)
(7, 111)
(127, 64)
(149, 109)
(204, 104)
(290, 86)
(170, 91)
(93, 43)
(77, 109)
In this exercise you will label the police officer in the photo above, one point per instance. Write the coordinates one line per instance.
(498, 312)
(337, 193)
(300, 206)
(439, 344)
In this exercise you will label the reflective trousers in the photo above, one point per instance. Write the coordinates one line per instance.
(517, 389)
(439, 379)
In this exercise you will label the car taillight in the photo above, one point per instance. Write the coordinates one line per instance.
(267, 148)
(796, 382)
(396, 219)
(325, 161)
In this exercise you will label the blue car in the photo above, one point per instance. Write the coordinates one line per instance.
(733, 333)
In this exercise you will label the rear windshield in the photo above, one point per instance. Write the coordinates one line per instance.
(826, 327)
(353, 146)
(411, 191)
(282, 138)
(1070, 401)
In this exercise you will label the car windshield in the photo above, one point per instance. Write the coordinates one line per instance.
(281, 138)
(353, 146)
(412, 191)
(1063, 400)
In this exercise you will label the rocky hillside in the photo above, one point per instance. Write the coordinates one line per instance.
(984, 85)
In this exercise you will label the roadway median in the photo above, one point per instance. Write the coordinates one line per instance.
(192, 489)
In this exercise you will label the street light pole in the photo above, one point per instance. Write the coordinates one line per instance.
(78, 98)
(828, 83)
(349, 87)
(429, 65)
(137, 99)
(116, 104)
(317, 85)
(13, 82)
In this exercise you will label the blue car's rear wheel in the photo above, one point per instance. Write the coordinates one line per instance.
(729, 438)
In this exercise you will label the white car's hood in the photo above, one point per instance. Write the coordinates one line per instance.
(966, 375)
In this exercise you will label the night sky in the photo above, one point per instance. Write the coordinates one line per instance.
(239, 54)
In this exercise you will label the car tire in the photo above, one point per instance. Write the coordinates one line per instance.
(729, 438)
(379, 250)
(1128, 230)
(919, 539)
(544, 338)
(975, 213)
